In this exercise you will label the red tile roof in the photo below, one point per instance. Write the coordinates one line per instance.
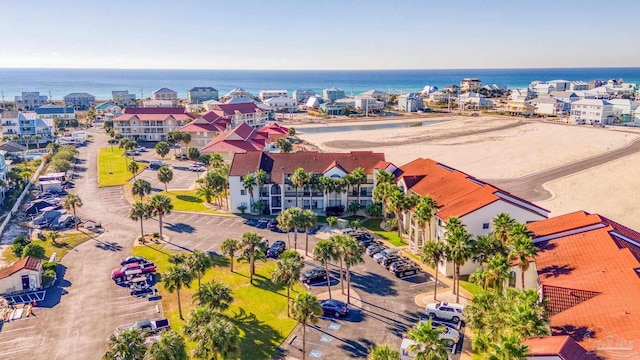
(154, 117)
(197, 127)
(590, 281)
(563, 346)
(155, 110)
(275, 129)
(242, 138)
(225, 110)
(30, 263)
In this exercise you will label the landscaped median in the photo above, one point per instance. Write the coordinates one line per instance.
(392, 237)
(259, 311)
(188, 201)
(66, 241)
(112, 167)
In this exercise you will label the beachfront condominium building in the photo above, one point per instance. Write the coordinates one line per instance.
(80, 101)
(470, 85)
(591, 111)
(150, 124)
(30, 100)
(123, 99)
(198, 95)
(332, 94)
(278, 193)
(282, 104)
(410, 102)
(302, 96)
(164, 94)
(268, 94)
(24, 126)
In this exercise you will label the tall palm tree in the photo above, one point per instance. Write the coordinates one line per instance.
(359, 177)
(140, 211)
(160, 206)
(71, 202)
(171, 346)
(198, 263)
(249, 182)
(486, 246)
(396, 203)
(326, 185)
(493, 274)
(353, 255)
(214, 335)
(502, 226)
(508, 347)
(383, 352)
(127, 345)
(285, 223)
(165, 175)
(306, 309)
(323, 252)
(37, 138)
(428, 342)
(133, 168)
(433, 252)
(216, 160)
(340, 244)
(261, 179)
(230, 247)
(176, 278)
(297, 219)
(207, 192)
(141, 187)
(382, 193)
(383, 176)
(26, 139)
(287, 272)
(250, 243)
(214, 295)
(458, 248)
(298, 180)
(523, 250)
(185, 138)
(308, 222)
(424, 211)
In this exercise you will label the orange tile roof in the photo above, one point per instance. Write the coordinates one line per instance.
(571, 221)
(589, 280)
(563, 346)
(29, 262)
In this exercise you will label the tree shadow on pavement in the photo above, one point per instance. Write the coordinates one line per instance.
(108, 245)
(373, 284)
(59, 289)
(260, 340)
(180, 228)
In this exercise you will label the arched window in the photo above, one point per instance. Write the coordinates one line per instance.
(275, 189)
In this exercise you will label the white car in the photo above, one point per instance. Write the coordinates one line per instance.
(446, 311)
(196, 167)
(386, 252)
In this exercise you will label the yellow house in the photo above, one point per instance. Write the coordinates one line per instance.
(22, 275)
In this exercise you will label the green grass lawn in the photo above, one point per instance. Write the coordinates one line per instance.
(188, 201)
(470, 287)
(67, 241)
(112, 167)
(259, 312)
(373, 225)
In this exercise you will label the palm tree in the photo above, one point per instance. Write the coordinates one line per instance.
(261, 178)
(493, 274)
(141, 187)
(127, 345)
(71, 202)
(160, 205)
(382, 193)
(216, 160)
(214, 295)
(162, 149)
(353, 255)
(284, 145)
(385, 177)
(458, 248)
(53, 236)
(306, 309)
(359, 177)
(250, 243)
(185, 138)
(396, 203)
(502, 226)
(519, 230)
(214, 335)
(509, 347)
(37, 138)
(229, 247)
(176, 278)
(26, 139)
(523, 250)
(298, 180)
(308, 220)
(133, 168)
(171, 346)
(285, 223)
(428, 343)
(165, 175)
(340, 244)
(433, 252)
(207, 192)
(287, 272)
(383, 352)
(486, 246)
(198, 263)
(423, 214)
(140, 211)
(323, 252)
(297, 222)
(249, 182)
(173, 137)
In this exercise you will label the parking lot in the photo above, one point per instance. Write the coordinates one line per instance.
(182, 177)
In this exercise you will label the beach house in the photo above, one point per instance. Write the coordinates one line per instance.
(150, 124)
(410, 102)
(24, 126)
(122, 98)
(548, 106)
(470, 85)
(268, 94)
(205, 127)
(591, 111)
(80, 101)
(30, 100)
(278, 193)
(238, 93)
(376, 94)
(244, 138)
(50, 113)
(332, 94)
(302, 95)
(474, 101)
(200, 94)
(165, 94)
(623, 109)
(282, 104)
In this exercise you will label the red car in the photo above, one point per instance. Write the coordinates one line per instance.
(132, 269)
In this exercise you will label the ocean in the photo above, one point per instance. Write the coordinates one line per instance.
(100, 82)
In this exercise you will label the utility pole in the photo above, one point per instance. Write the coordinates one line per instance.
(2, 92)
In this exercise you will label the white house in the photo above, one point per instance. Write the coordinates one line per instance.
(566, 96)
(624, 109)
(150, 124)
(560, 85)
(50, 113)
(268, 94)
(376, 94)
(548, 106)
(410, 102)
(543, 89)
(368, 104)
(165, 94)
(238, 92)
(282, 103)
(158, 103)
(591, 111)
(23, 275)
(473, 201)
(332, 94)
(122, 98)
(30, 100)
(302, 95)
(472, 100)
(23, 124)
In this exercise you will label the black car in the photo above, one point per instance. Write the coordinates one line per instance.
(272, 225)
(408, 268)
(313, 275)
(132, 259)
(276, 249)
(374, 249)
(334, 307)
(386, 261)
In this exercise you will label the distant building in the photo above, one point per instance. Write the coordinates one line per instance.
(451, 89)
(157, 103)
(376, 94)
(368, 104)
(566, 96)
(560, 85)
(268, 94)
(332, 108)
(587, 111)
(548, 106)
(472, 100)
(623, 109)
(410, 102)
(238, 92)
(282, 103)
(543, 89)
(333, 94)
(578, 85)
(80, 101)
(23, 124)
(205, 127)
(198, 95)
(302, 95)
(313, 102)
(470, 85)
(21, 276)
(150, 124)
(210, 104)
(30, 100)
(164, 94)
(50, 113)
(122, 98)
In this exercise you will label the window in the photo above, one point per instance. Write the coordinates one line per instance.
(243, 192)
(485, 226)
(512, 279)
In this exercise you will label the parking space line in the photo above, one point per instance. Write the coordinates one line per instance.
(3, 353)
(24, 328)
(201, 218)
(212, 219)
(137, 312)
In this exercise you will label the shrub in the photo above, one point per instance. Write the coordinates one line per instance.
(332, 221)
(337, 210)
(61, 165)
(48, 277)
(156, 235)
(34, 250)
(392, 224)
(374, 209)
(17, 249)
(49, 265)
(242, 209)
(353, 207)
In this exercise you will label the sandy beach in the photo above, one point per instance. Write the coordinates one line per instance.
(497, 147)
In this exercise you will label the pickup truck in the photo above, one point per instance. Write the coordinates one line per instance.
(148, 326)
(132, 269)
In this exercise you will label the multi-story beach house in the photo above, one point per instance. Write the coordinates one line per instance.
(3, 176)
(547, 105)
(268, 94)
(238, 93)
(470, 85)
(368, 104)
(123, 99)
(50, 113)
(30, 100)
(24, 125)
(282, 104)
(80, 101)
(376, 94)
(623, 109)
(332, 94)
(150, 124)
(279, 193)
(565, 96)
(410, 102)
(198, 95)
(474, 101)
(164, 94)
(578, 86)
(591, 111)
(302, 96)
(473, 201)
(560, 85)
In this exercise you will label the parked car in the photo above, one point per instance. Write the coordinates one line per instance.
(156, 164)
(334, 307)
(386, 261)
(132, 259)
(446, 311)
(313, 275)
(272, 225)
(132, 153)
(449, 335)
(197, 168)
(402, 269)
(276, 249)
(132, 269)
(140, 149)
(374, 249)
(150, 326)
(385, 252)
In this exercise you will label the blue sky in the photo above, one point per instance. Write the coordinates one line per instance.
(321, 34)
